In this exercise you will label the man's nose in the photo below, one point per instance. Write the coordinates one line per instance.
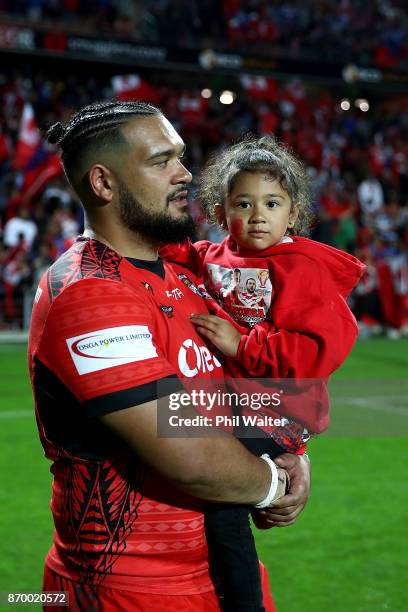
(182, 175)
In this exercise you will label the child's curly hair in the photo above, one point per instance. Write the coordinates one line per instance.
(257, 154)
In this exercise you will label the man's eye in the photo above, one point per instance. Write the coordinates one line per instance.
(163, 163)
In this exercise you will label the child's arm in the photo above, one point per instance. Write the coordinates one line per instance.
(219, 331)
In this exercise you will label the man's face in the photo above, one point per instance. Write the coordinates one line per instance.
(158, 226)
(251, 285)
(152, 181)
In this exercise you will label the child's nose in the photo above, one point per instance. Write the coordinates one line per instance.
(256, 215)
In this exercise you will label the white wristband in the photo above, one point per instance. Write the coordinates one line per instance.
(273, 486)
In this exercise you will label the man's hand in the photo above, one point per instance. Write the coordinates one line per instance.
(286, 510)
(221, 333)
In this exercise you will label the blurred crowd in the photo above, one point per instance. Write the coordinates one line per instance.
(366, 33)
(358, 163)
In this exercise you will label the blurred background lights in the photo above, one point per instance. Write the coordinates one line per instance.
(206, 93)
(345, 104)
(227, 97)
(363, 105)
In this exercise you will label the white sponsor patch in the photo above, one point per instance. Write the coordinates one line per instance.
(106, 348)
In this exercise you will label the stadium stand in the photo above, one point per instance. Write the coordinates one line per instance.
(331, 28)
(356, 152)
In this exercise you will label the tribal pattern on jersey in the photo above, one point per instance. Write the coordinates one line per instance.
(97, 261)
(100, 506)
(64, 271)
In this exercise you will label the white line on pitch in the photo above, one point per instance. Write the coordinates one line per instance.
(374, 403)
(16, 414)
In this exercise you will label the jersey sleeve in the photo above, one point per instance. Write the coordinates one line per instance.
(106, 346)
(310, 332)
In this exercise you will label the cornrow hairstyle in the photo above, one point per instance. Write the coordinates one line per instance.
(96, 123)
(257, 154)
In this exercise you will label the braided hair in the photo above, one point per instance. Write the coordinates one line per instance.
(96, 125)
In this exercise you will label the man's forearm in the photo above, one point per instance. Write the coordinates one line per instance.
(215, 467)
(225, 471)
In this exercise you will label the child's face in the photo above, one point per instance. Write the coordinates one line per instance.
(257, 212)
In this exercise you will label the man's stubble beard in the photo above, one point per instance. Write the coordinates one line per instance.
(160, 227)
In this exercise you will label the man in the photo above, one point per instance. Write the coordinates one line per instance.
(110, 323)
(250, 298)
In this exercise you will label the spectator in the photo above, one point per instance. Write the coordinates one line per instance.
(22, 224)
(370, 196)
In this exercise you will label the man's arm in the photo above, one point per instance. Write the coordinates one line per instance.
(216, 467)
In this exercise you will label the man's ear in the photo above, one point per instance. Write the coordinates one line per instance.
(293, 215)
(220, 215)
(101, 182)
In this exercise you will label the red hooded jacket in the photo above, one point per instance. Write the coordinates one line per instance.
(299, 325)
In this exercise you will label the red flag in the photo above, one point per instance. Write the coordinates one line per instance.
(37, 178)
(393, 288)
(28, 139)
(133, 87)
(4, 147)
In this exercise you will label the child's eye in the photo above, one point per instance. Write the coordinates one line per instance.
(272, 204)
(243, 204)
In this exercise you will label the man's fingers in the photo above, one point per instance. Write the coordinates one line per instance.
(281, 514)
(291, 499)
(286, 461)
(287, 515)
(285, 524)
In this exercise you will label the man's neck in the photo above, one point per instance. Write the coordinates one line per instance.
(127, 243)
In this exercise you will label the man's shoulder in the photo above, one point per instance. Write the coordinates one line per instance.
(86, 259)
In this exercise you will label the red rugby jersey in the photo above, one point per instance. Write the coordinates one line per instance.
(104, 330)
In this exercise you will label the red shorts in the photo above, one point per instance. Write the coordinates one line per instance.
(87, 598)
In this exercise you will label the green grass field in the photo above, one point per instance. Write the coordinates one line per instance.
(349, 550)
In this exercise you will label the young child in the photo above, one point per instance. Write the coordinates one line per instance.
(288, 318)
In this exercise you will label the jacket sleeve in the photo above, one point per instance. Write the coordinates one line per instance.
(309, 332)
(186, 254)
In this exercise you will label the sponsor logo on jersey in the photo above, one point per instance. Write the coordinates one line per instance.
(147, 286)
(106, 348)
(176, 293)
(168, 310)
(200, 290)
(194, 359)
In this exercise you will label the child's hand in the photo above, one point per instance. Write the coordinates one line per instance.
(221, 333)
